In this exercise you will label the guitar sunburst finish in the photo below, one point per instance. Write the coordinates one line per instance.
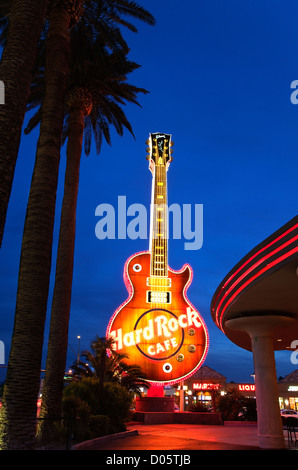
(157, 327)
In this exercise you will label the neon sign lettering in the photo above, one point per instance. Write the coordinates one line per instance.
(168, 344)
(157, 327)
(205, 386)
(247, 387)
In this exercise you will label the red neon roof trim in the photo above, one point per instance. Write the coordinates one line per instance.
(266, 268)
(248, 261)
(251, 269)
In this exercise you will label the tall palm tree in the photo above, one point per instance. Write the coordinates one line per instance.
(96, 83)
(22, 22)
(18, 414)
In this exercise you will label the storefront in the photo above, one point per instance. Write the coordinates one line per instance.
(288, 392)
(204, 386)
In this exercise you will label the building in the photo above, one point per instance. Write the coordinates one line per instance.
(288, 391)
(256, 307)
(202, 387)
(207, 383)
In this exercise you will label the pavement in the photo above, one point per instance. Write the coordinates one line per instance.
(191, 437)
(231, 436)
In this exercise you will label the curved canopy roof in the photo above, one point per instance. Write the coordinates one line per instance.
(264, 282)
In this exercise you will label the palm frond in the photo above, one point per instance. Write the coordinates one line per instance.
(116, 369)
(98, 65)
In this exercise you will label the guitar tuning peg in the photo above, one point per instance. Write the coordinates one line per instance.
(172, 143)
(147, 157)
(148, 142)
(148, 149)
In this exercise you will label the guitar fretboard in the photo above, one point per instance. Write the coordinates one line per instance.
(159, 214)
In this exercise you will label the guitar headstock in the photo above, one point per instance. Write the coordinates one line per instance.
(159, 150)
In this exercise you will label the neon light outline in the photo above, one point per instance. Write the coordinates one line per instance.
(266, 268)
(289, 242)
(129, 286)
(246, 262)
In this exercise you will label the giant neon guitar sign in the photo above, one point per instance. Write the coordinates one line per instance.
(157, 327)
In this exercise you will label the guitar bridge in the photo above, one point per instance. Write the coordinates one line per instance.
(159, 297)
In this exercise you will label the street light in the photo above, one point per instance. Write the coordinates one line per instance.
(78, 358)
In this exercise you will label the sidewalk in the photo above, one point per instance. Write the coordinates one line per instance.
(231, 436)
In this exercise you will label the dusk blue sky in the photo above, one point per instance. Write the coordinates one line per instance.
(219, 76)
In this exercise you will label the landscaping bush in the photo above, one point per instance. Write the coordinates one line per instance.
(99, 425)
(86, 391)
(198, 407)
(76, 418)
(91, 418)
(234, 406)
(116, 404)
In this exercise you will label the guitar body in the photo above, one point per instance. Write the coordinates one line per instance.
(168, 340)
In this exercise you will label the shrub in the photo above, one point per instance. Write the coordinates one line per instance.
(74, 407)
(86, 390)
(99, 425)
(76, 418)
(116, 404)
(198, 407)
(90, 418)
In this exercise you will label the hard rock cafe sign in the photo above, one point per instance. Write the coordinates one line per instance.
(157, 326)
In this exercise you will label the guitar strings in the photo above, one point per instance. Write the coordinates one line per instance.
(159, 236)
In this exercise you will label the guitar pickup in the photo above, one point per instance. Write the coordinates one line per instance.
(158, 297)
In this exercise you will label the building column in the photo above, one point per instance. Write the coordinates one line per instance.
(261, 329)
(270, 427)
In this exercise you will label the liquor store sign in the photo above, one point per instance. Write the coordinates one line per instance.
(246, 387)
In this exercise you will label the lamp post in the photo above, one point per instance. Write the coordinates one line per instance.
(78, 357)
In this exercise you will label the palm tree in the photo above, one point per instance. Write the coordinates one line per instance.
(108, 365)
(91, 103)
(18, 414)
(21, 26)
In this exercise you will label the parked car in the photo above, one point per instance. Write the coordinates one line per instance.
(288, 413)
(289, 417)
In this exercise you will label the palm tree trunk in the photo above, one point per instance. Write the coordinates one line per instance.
(51, 408)
(16, 66)
(18, 414)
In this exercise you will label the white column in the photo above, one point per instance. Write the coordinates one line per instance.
(269, 419)
(261, 330)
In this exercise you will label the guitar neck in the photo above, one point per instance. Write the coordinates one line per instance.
(159, 222)
(159, 158)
